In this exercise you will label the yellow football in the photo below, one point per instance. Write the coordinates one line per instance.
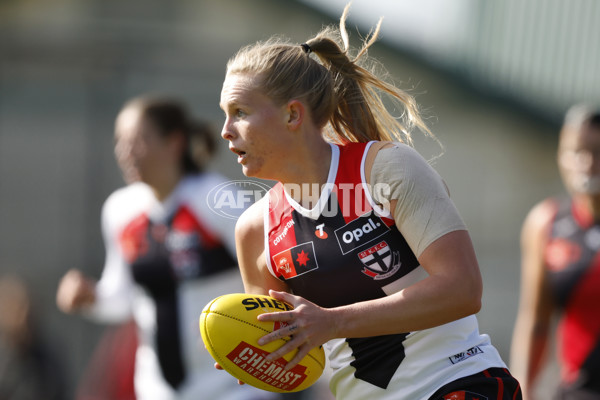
(230, 331)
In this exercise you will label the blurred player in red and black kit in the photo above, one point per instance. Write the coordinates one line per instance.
(561, 268)
(167, 253)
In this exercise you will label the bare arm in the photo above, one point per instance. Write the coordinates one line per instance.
(449, 261)
(531, 332)
(249, 238)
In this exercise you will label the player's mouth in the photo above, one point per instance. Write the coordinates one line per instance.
(241, 154)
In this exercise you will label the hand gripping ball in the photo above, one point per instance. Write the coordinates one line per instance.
(230, 332)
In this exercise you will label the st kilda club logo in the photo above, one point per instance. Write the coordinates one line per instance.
(379, 261)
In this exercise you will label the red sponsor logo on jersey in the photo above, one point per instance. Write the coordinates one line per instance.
(560, 253)
(252, 360)
(295, 261)
(286, 228)
(320, 232)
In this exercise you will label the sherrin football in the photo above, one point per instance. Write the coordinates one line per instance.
(230, 332)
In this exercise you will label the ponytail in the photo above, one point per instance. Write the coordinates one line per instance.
(344, 95)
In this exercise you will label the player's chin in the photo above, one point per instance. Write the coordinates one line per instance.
(258, 172)
(250, 172)
(247, 171)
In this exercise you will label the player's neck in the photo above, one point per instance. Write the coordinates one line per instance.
(307, 179)
(592, 204)
(163, 188)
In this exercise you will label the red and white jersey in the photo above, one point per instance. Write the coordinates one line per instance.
(164, 262)
(347, 249)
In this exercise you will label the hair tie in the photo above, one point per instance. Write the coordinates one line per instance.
(306, 48)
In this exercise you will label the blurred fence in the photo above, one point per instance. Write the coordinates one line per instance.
(543, 54)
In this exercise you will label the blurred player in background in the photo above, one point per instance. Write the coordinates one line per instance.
(360, 229)
(560, 243)
(167, 253)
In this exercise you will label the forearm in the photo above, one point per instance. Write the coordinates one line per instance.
(431, 302)
(452, 290)
(263, 286)
(527, 352)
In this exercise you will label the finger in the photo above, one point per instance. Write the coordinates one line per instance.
(283, 350)
(71, 273)
(283, 316)
(302, 352)
(218, 366)
(82, 295)
(284, 296)
(268, 338)
(284, 332)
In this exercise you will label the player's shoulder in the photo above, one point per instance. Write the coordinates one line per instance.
(126, 203)
(252, 220)
(386, 154)
(132, 195)
(397, 161)
(386, 150)
(541, 215)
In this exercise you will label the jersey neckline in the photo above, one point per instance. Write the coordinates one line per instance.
(315, 212)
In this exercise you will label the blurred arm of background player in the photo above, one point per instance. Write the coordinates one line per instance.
(532, 328)
(75, 291)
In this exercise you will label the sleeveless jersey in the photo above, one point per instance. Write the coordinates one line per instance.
(347, 249)
(164, 262)
(162, 255)
(572, 259)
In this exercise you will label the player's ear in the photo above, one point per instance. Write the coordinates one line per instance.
(295, 113)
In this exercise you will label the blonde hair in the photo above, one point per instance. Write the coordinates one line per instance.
(344, 95)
